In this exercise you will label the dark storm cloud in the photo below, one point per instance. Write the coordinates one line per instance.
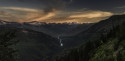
(106, 5)
(49, 5)
(76, 4)
(52, 5)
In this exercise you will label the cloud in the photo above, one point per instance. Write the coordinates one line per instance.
(19, 9)
(91, 14)
(121, 7)
(6, 16)
(81, 17)
(25, 14)
(20, 14)
(49, 15)
(53, 5)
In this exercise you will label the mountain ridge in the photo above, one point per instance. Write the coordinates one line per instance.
(108, 47)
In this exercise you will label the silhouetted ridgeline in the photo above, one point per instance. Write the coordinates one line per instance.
(103, 26)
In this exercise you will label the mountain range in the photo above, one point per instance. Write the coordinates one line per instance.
(53, 29)
(39, 41)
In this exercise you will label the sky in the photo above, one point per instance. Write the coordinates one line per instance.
(60, 11)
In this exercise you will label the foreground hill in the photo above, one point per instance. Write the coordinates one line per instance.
(34, 46)
(109, 47)
(7, 53)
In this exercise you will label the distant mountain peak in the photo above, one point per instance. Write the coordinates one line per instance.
(3, 22)
(35, 23)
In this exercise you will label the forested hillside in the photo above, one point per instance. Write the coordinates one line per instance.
(7, 53)
(24, 45)
(109, 47)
